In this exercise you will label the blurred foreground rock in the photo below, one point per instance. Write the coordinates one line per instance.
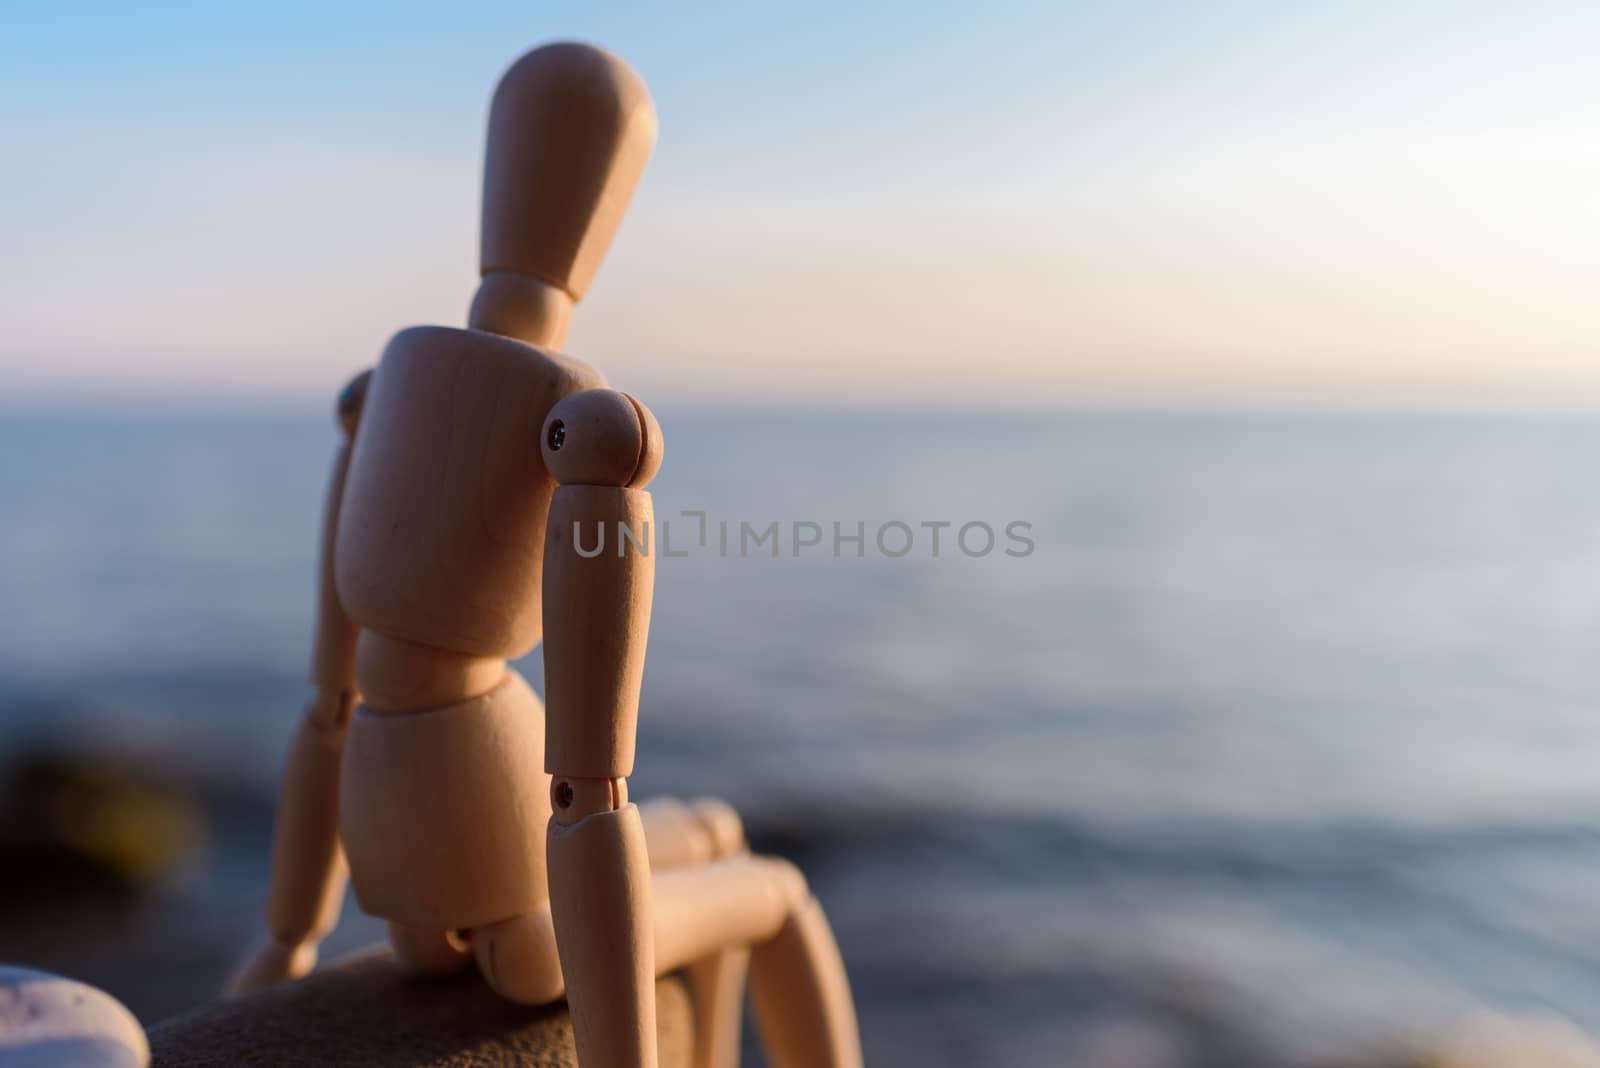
(1491, 1040)
(363, 1011)
(47, 1021)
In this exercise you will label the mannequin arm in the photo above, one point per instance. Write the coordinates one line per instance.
(601, 446)
(308, 873)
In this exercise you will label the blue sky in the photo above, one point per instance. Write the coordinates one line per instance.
(1057, 200)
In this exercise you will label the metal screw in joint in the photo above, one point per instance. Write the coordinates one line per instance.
(557, 436)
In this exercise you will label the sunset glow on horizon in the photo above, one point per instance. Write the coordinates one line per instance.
(1043, 201)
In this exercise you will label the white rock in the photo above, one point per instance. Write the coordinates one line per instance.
(50, 1022)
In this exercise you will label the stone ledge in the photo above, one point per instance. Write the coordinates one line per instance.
(364, 1011)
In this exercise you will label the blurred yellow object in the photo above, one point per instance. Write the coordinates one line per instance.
(85, 818)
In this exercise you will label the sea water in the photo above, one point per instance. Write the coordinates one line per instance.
(1280, 739)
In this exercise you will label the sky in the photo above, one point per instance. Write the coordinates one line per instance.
(853, 203)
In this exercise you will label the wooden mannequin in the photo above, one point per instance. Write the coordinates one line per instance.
(481, 829)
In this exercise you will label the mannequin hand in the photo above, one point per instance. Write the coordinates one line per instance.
(270, 962)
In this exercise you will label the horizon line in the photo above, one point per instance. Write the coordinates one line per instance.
(52, 402)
